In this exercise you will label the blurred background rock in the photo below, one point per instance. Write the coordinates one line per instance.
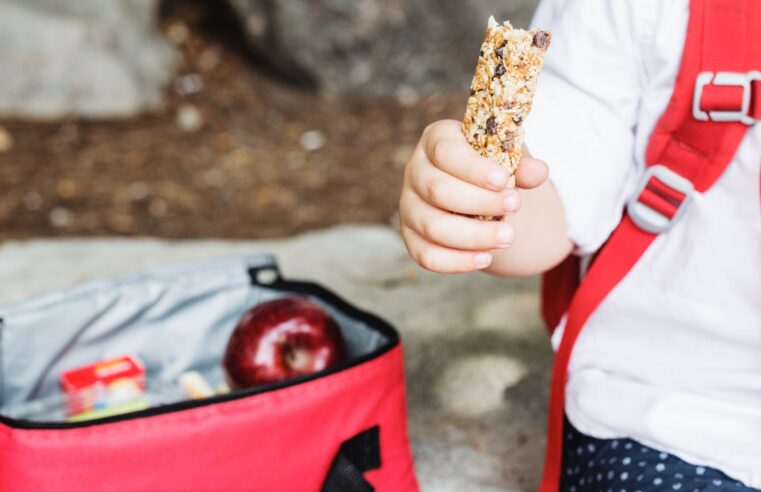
(86, 58)
(406, 48)
(246, 118)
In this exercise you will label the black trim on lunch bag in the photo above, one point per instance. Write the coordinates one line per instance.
(356, 455)
(279, 284)
(265, 275)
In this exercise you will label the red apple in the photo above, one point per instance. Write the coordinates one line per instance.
(281, 339)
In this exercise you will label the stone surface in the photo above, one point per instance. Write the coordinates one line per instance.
(6, 140)
(491, 314)
(405, 48)
(443, 468)
(91, 58)
(495, 450)
(188, 118)
(475, 385)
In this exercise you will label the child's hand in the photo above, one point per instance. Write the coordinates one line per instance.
(445, 175)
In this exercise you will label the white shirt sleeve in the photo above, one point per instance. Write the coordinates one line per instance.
(584, 115)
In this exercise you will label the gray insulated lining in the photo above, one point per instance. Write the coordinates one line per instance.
(175, 319)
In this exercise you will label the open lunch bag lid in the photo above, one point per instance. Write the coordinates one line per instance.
(340, 429)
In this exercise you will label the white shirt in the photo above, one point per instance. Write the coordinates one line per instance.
(672, 358)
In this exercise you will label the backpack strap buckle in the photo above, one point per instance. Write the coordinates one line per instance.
(661, 198)
(716, 81)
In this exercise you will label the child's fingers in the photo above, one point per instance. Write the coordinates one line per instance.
(447, 149)
(531, 172)
(455, 231)
(440, 259)
(441, 130)
(444, 191)
(454, 156)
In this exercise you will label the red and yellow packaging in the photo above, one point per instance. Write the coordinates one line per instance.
(103, 384)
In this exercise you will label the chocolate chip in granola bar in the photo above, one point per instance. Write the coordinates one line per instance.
(500, 52)
(499, 70)
(542, 40)
(508, 142)
(472, 92)
(491, 126)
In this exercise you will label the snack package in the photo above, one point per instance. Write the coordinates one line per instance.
(104, 385)
(502, 91)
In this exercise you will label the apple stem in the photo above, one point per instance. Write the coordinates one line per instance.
(297, 359)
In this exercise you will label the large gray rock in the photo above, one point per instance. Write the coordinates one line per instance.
(376, 47)
(477, 382)
(92, 58)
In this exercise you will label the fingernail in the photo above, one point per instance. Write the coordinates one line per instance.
(497, 178)
(504, 236)
(512, 201)
(482, 260)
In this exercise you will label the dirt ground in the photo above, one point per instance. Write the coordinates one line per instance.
(235, 153)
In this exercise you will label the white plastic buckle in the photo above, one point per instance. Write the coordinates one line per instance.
(651, 220)
(731, 79)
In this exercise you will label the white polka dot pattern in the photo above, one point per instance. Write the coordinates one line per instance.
(623, 465)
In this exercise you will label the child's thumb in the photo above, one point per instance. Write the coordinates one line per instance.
(531, 172)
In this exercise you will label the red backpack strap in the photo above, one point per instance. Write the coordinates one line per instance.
(557, 290)
(716, 97)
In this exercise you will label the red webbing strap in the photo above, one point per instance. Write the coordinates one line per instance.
(623, 249)
(718, 38)
(557, 289)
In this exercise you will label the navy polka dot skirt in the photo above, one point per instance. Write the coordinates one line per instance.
(623, 465)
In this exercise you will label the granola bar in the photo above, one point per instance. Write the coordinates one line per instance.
(502, 91)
